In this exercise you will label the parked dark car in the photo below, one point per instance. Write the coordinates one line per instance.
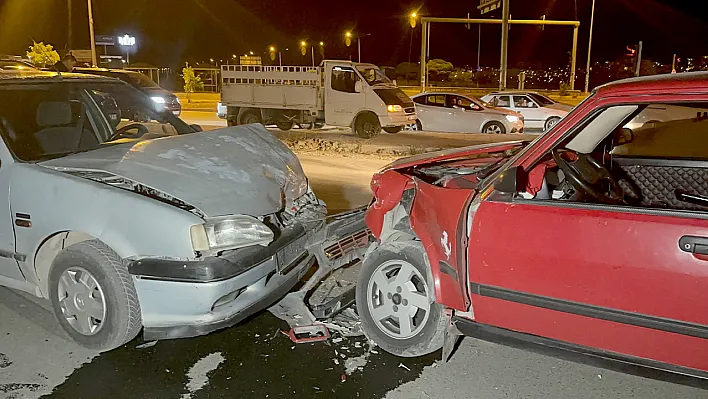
(160, 96)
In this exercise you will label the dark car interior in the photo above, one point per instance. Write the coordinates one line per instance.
(661, 164)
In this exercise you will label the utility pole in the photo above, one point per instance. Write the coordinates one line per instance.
(639, 59)
(479, 48)
(358, 45)
(423, 55)
(313, 55)
(93, 37)
(587, 68)
(673, 64)
(504, 44)
(69, 32)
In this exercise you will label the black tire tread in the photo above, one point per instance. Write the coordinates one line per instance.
(115, 269)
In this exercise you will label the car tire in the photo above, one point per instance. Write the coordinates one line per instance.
(250, 117)
(494, 128)
(231, 121)
(550, 122)
(380, 308)
(88, 274)
(393, 129)
(284, 126)
(367, 125)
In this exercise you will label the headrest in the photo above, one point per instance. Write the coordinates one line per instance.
(53, 113)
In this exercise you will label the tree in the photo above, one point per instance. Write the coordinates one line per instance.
(42, 54)
(439, 69)
(192, 82)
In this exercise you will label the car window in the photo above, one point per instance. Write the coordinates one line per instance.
(523, 102)
(48, 120)
(461, 102)
(436, 100)
(543, 100)
(503, 101)
(344, 79)
(419, 100)
(667, 131)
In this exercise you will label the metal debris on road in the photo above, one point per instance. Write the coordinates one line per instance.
(146, 345)
(403, 366)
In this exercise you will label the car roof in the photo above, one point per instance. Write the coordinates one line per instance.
(512, 92)
(37, 76)
(448, 93)
(683, 82)
(117, 71)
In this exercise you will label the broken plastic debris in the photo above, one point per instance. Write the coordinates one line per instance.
(337, 340)
(312, 333)
(336, 361)
(146, 345)
(403, 366)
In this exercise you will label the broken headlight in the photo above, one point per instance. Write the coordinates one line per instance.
(230, 232)
(295, 184)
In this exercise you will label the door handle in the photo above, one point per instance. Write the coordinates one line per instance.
(694, 245)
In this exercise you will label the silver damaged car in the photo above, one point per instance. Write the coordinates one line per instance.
(127, 219)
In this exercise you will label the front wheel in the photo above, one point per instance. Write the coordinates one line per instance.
(550, 122)
(93, 296)
(494, 128)
(394, 301)
(367, 126)
(250, 118)
(285, 126)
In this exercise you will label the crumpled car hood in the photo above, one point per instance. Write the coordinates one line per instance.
(236, 170)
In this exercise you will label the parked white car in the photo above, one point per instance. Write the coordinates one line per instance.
(450, 112)
(539, 111)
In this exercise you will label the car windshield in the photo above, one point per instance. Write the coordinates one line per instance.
(45, 120)
(373, 75)
(542, 100)
(13, 65)
(141, 80)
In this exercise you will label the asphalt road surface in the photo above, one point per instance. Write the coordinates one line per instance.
(255, 360)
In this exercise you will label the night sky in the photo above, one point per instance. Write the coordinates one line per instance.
(170, 32)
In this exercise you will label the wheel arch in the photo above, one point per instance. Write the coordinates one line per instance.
(48, 250)
(360, 113)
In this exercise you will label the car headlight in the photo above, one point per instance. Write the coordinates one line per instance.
(230, 232)
(394, 108)
(158, 100)
(296, 184)
(512, 118)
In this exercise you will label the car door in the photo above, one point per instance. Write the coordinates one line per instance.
(467, 115)
(432, 113)
(342, 102)
(9, 268)
(534, 116)
(632, 280)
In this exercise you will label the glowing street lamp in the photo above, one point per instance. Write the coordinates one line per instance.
(413, 19)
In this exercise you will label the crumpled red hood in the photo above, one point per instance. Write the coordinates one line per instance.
(443, 155)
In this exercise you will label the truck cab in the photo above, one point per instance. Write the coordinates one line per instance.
(337, 93)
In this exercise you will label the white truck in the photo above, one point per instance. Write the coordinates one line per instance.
(337, 93)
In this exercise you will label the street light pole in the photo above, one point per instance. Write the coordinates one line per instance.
(504, 44)
(358, 45)
(69, 33)
(587, 69)
(93, 37)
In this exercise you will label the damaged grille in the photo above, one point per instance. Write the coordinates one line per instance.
(307, 208)
(348, 244)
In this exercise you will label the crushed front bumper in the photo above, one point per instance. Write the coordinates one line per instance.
(186, 299)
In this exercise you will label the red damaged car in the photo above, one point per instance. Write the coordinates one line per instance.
(592, 238)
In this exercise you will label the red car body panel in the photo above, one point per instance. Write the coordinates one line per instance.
(612, 279)
(435, 218)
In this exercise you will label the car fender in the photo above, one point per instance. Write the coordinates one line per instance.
(133, 225)
(438, 218)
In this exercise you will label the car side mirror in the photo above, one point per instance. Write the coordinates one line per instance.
(395, 83)
(196, 128)
(511, 180)
(358, 87)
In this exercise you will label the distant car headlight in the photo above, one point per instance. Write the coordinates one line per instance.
(512, 118)
(158, 100)
(230, 232)
(394, 108)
